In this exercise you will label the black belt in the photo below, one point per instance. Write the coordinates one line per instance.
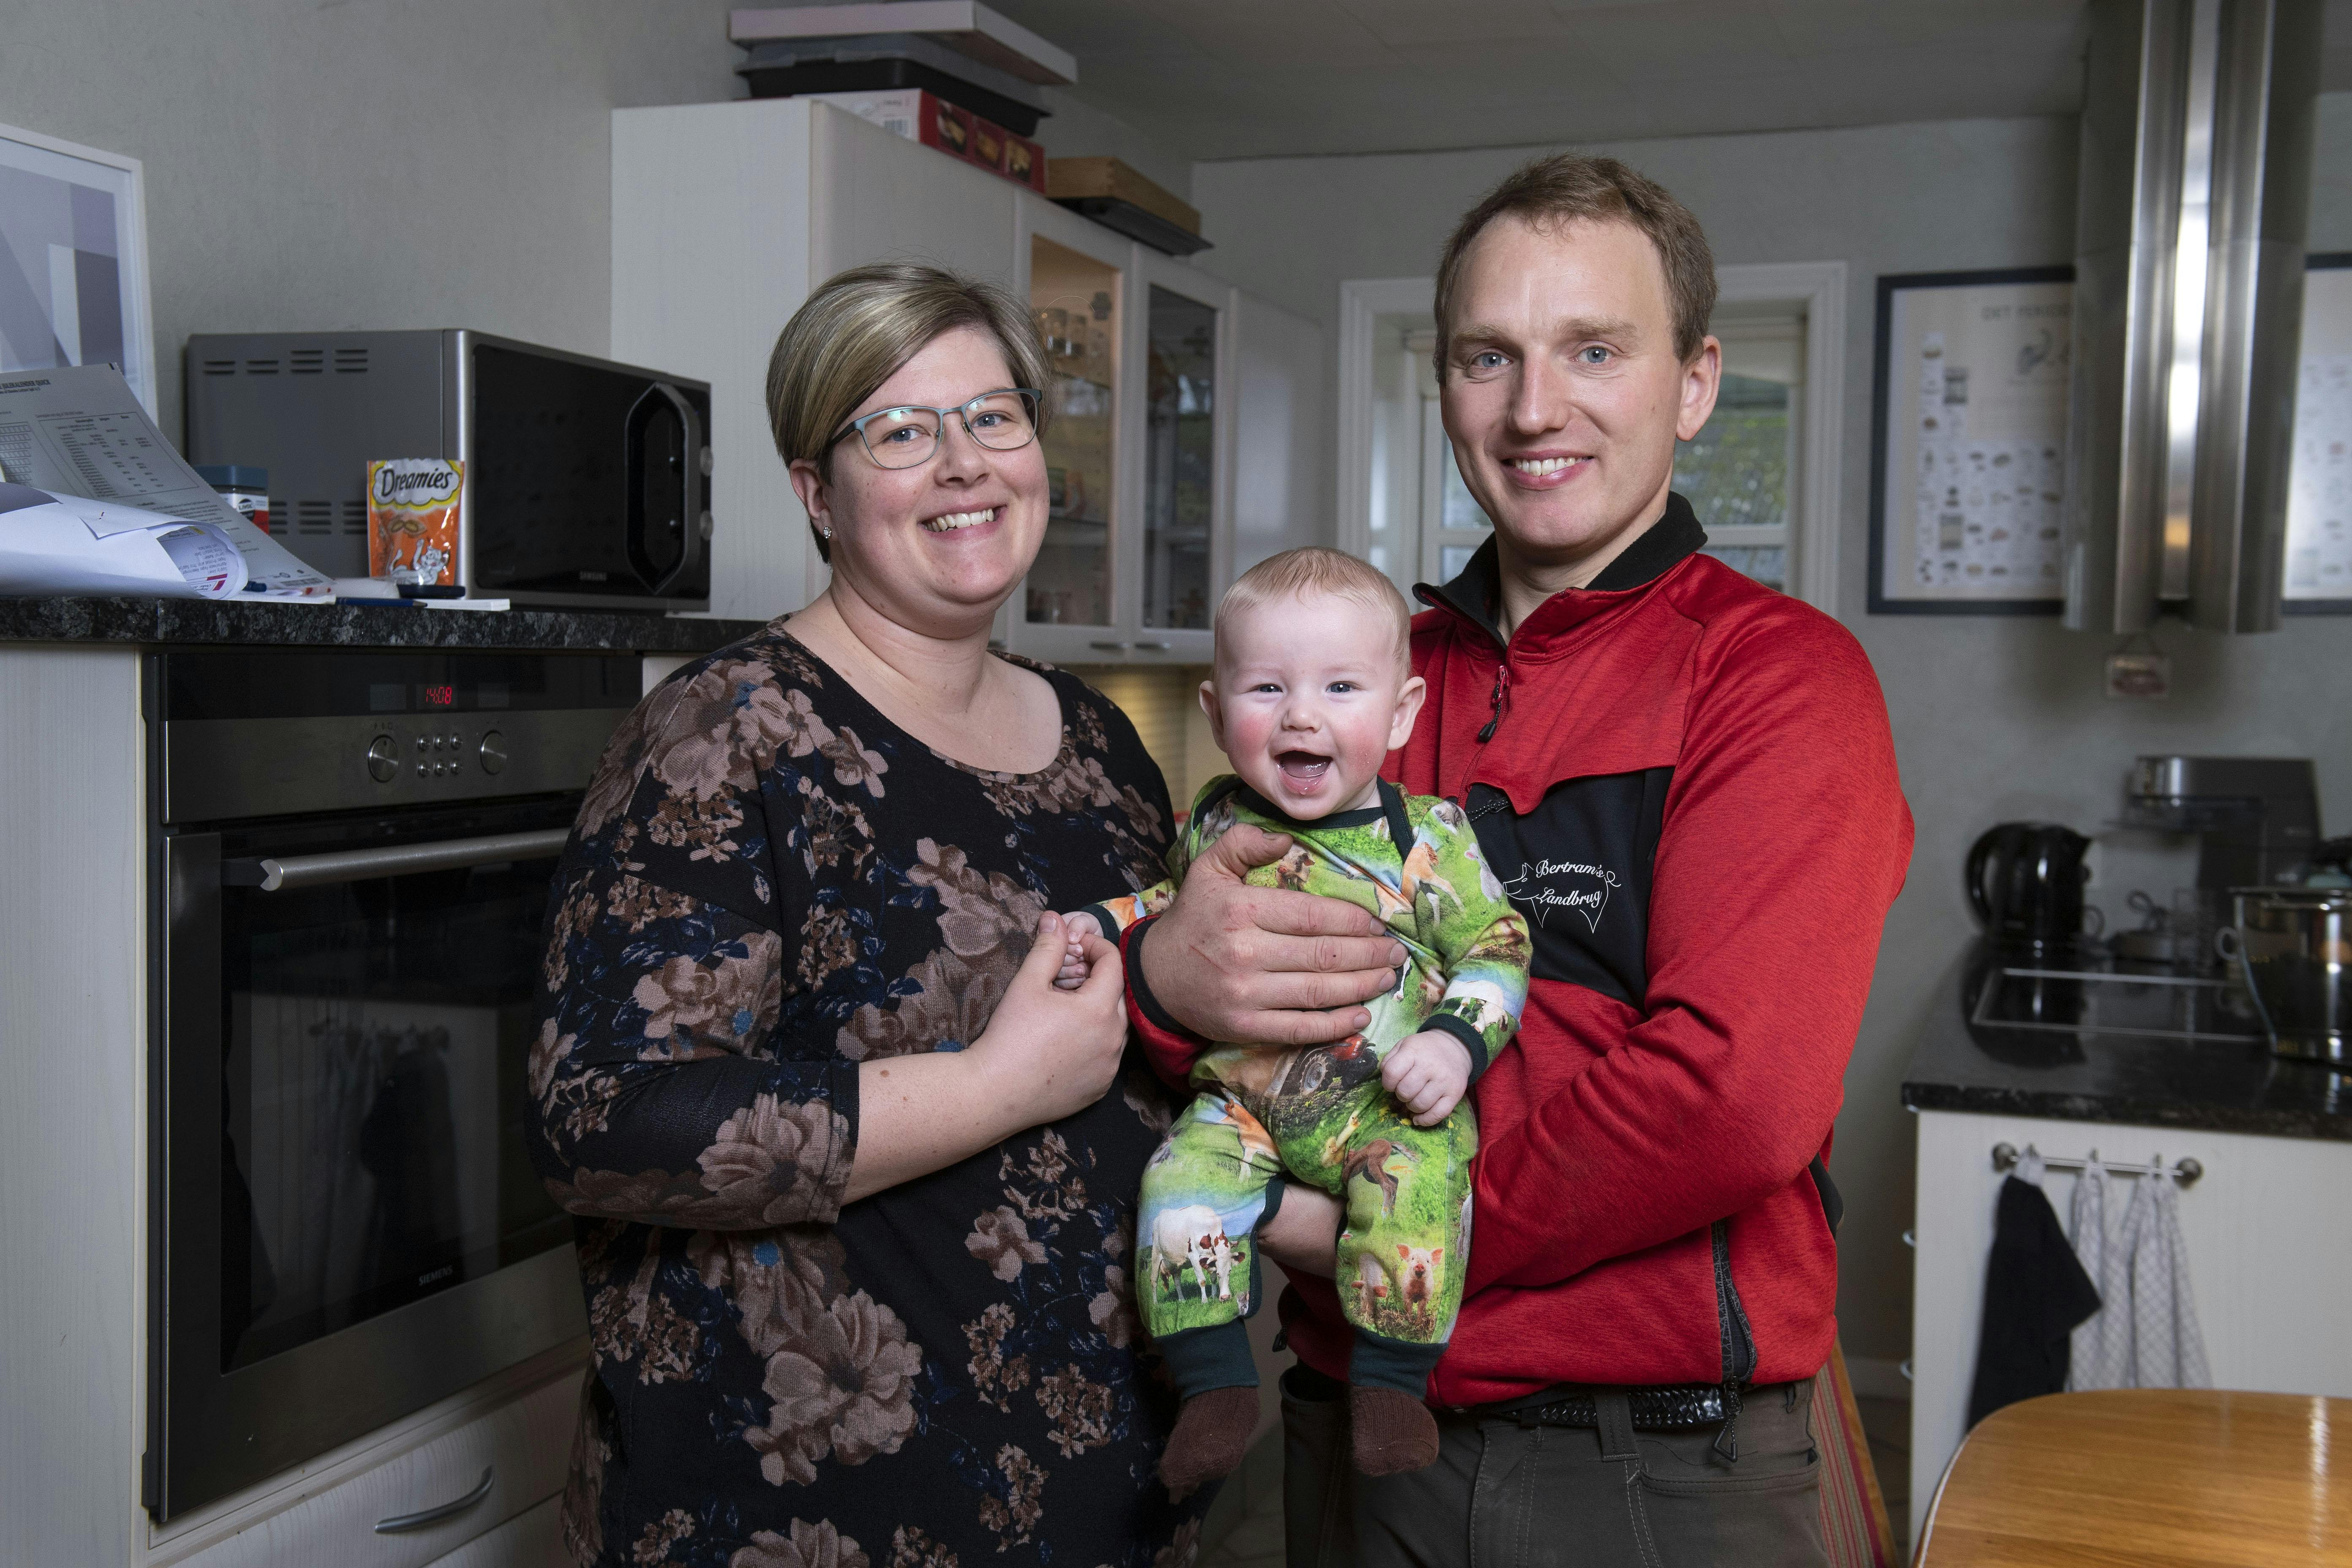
(1653, 1409)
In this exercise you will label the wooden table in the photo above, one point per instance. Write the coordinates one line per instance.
(2150, 1477)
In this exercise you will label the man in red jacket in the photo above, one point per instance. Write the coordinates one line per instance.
(1686, 783)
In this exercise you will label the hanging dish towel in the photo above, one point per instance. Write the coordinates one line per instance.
(2168, 1348)
(2102, 1343)
(2035, 1292)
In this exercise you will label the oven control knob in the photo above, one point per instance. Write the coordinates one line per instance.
(708, 525)
(494, 753)
(384, 759)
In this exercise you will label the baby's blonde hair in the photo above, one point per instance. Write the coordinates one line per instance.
(1296, 574)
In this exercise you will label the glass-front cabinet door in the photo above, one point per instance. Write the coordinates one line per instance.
(1078, 301)
(1138, 450)
(1179, 461)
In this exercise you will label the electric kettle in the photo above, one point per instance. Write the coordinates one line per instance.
(2025, 886)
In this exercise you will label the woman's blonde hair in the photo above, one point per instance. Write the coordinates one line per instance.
(854, 333)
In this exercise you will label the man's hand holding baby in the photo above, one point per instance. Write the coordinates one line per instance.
(1428, 1073)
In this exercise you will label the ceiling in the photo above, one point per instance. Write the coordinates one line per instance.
(1250, 79)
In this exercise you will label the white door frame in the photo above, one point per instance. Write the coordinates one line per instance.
(1818, 287)
(1361, 300)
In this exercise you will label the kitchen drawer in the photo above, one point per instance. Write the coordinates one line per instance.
(532, 1540)
(524, 1445)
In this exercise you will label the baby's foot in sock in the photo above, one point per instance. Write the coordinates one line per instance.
(1211, 1432)
(1392, 1432)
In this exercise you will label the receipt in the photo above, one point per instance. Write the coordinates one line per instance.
(79, 431)
(209, 562)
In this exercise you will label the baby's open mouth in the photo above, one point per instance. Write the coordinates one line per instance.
(1302, 771)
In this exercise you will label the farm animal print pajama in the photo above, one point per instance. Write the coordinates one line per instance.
(1320, 1112)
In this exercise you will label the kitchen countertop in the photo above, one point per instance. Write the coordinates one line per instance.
(2075, 1075)
(288, 625)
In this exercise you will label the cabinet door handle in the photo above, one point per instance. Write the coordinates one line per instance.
(1910, 1239)
(400, 1522)
(1156, 646)
(1904, 1366)
(1109, 646)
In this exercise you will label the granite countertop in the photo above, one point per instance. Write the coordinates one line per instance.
(2074, 1074)
(286, 624)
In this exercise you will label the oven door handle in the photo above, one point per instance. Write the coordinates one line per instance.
(287, 872)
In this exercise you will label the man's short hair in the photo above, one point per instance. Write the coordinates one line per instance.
(1553, 192)
(1312, 569)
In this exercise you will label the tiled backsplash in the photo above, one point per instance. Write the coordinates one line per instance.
(1163, 703)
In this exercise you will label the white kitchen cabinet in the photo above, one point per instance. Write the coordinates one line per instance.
(531, 1539)
(2269, 1257)
(511, 1452)
(726, 214)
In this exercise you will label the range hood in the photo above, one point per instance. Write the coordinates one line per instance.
(2193, 209)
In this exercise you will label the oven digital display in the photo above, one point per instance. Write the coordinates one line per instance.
(437, 695)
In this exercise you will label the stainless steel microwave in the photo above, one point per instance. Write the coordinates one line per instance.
(587, 482)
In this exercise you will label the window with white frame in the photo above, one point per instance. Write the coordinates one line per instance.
(1739, 473)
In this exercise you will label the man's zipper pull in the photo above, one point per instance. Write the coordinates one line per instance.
(1502, 679)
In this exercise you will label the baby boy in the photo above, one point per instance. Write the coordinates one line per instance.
(1312, 688)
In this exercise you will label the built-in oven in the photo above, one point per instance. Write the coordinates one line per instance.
(354, 851)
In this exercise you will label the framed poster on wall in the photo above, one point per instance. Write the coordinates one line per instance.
(1967, 457)
(73, 260)
(2319, 489)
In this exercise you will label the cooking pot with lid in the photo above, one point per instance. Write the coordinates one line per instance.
(2293, 947)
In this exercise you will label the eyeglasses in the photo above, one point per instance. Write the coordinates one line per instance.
(907, 437)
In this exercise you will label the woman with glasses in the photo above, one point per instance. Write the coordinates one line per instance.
(855, 1183)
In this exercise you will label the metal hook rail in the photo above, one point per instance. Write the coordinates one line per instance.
(2186, 1171)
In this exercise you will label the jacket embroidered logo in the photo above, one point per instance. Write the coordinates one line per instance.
(1533, 889)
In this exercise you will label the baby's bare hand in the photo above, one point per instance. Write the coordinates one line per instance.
(1428, 1073)
(1074, 968)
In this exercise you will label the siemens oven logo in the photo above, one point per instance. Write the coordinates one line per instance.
(437, 1276)
(1544, 886)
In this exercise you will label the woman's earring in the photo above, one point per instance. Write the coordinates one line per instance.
(826, 528)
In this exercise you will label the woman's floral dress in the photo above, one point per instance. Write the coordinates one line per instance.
(769, 884)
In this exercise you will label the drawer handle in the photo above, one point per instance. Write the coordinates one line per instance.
(1109, 646)
(400, 1522)
(1904, 1366)
(1155, 647)
(1910, 1239)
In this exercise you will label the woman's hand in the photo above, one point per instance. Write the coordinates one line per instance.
(1078, 928)
(1045, 1054)
(1264, 966)
(1304, 1233)
(1049, 1052)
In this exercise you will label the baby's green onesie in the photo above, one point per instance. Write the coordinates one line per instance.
(1320, 1112)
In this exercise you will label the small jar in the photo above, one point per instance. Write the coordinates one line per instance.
(246, 489)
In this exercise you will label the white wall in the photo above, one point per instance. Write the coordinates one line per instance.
(355, 164)
(1994, 719)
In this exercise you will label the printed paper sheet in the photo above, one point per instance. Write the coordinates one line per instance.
(2319, 492)
(1976, 469)
(79, 431)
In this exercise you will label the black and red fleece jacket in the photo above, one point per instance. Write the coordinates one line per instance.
(1686, 783)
